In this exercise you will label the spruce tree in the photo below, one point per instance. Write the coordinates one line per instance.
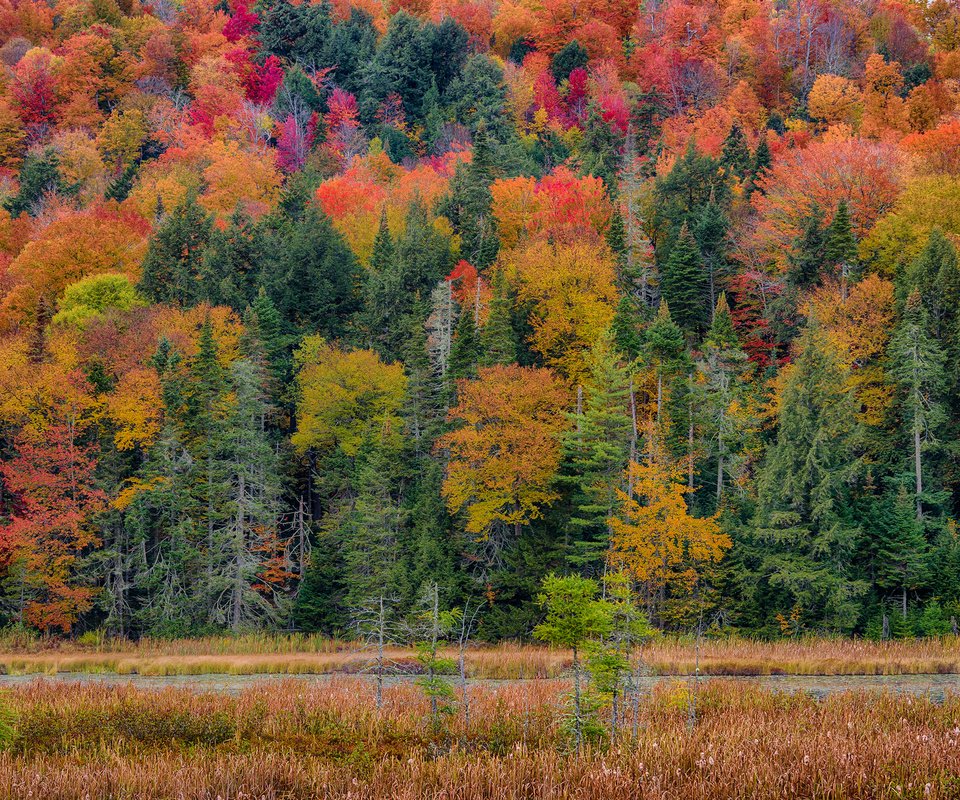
(498, 340)
(761, 164)
(735, 156)
(901, 557)
(596, 447)
(465, 350)
(840, 248)
(806, 260)
(917, 366)
(722, 402)
(803, 537)
(174, 261)
(683, 283)
(710, 230)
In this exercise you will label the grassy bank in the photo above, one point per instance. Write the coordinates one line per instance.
(299, 655)
(293, 741)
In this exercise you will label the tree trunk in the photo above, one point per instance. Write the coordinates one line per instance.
(918, 470)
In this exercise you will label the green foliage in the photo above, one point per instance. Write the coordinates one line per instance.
(90, 297)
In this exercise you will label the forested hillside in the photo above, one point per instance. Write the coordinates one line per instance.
(304, 305)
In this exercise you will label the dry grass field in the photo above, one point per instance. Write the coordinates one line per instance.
(301, 654)
(288, 740)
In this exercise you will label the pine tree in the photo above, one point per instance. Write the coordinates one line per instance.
(173, 264)
(735, 155)
(498, 341)
(917, 367)
(803, 537)
(683, 283)
(901, 547)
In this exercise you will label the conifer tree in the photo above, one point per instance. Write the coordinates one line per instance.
(683, 283)
(710, 231)
(722, 401)
(174, 260)
(840, 248)
(803, 535)
(917, 366)
(465, 350)
(735, 155)
(498, 341)
(596, 449)
(901, 547)
(761, 164)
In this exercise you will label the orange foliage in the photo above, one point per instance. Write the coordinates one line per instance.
(505, 450)
(106, 238)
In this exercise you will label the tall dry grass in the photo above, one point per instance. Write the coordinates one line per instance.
(309, 654)
(292, 741)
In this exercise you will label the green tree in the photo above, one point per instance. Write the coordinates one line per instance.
(173, 265)
(683, 284)
(498, 340)
(575, 618)
(597, 447)
(803, 531)
(917, 368)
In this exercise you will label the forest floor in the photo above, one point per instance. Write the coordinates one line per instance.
(313, 655)
(288, 740)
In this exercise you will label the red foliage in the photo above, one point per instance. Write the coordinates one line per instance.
(53, 482)
(241, 23)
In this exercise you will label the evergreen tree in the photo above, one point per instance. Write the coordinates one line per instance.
(806, 260)
(465, 350)
(39, 175)
(370, 536)
(917, 367)
(599, 150)
(735, 156)
(311, 275)
(469, 206)
(722, 402)
(901, 547)
(761, 164)
(683, 283)
(710, 231)
(174, 261)
(597, 446)
(840, 248)
(571, 56)
(498, 340)
(232, 264)
(803, 537)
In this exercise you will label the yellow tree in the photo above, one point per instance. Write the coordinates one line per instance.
(573, 295)
(505, 450)
(344, 395)
(655, 537)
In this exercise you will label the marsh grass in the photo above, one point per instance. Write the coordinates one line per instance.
(302, 654)
(295, 740)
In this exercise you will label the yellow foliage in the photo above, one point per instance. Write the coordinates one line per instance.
(346, 396)
(572, 289)
(505, 452)
(655, 537)
(134, 407)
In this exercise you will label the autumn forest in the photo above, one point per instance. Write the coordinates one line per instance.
(310, 307)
